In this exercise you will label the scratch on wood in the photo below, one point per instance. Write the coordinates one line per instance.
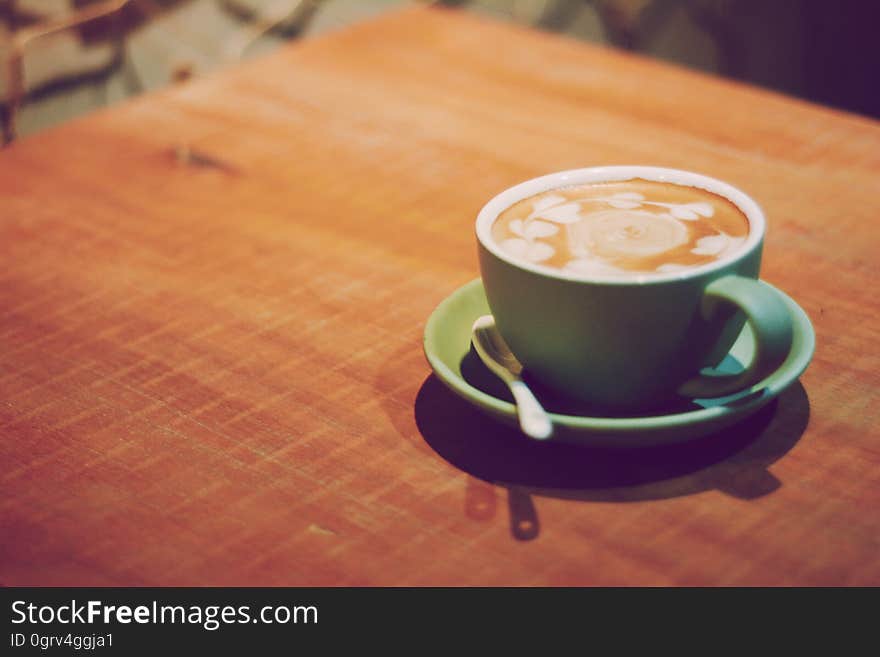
(187, 155)
(323, 531)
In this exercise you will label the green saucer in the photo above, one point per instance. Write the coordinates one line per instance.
(447, 343)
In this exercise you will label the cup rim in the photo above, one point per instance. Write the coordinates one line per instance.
(506, 198)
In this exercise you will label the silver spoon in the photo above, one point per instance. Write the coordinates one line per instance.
(496, 355)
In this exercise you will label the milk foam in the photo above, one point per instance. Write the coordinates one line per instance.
(622, 228)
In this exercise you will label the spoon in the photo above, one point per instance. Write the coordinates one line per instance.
(496, 355)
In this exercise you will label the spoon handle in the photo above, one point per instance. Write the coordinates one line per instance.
(532, 418)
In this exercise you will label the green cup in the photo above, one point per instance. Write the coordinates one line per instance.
(642, 341)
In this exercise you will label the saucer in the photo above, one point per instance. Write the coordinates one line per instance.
(447, 344)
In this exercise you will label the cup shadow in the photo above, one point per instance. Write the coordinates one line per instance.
(734, 460)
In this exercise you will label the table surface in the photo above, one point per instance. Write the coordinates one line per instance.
(213, 299)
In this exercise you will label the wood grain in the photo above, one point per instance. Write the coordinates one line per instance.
(213, 300)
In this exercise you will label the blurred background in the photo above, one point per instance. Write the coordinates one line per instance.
(63, 58)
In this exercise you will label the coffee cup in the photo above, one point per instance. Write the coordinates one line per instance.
(622, 286)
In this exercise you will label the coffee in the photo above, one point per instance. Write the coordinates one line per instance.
(621, 229)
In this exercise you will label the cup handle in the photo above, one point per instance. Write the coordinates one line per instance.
(771, 324)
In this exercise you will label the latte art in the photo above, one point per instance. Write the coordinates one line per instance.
(626, 233)
(621, 228)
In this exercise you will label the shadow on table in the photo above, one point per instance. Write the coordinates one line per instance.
(734, 460)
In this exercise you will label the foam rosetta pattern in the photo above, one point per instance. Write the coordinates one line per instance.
(621, 229)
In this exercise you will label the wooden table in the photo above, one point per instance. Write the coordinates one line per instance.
(213, 299)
